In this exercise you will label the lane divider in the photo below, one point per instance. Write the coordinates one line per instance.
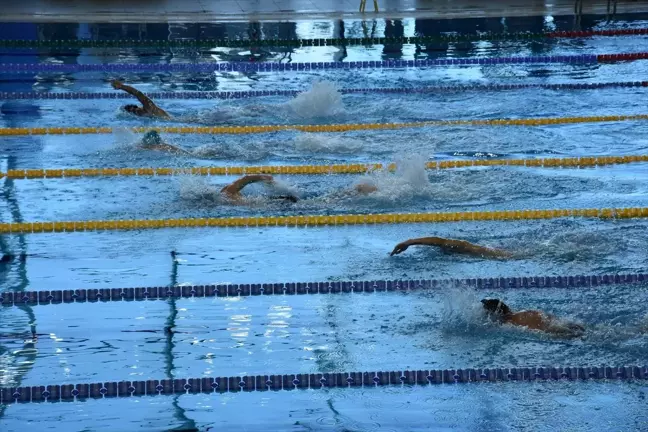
(310, 221)
(540, 121)
(315, 381)
(104, 295)
(242, 43)
(291, 93)
(573, 162)
(309, 66)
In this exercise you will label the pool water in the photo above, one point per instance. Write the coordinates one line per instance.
(328, 333)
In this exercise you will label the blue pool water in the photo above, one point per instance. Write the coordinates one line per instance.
(382, 331)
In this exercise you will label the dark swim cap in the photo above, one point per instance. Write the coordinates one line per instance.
(496, 306)
(152, 138)
(290, 198)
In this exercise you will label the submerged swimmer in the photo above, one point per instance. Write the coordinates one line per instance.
(148, 108)
(453, 246)
(153, 141)
(531, 319)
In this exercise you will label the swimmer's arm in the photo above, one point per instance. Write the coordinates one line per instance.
(234, 189)
(458, 246)
(146, 101)
(171, 148)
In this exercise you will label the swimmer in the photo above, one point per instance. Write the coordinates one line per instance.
(233, 190)
(148, 108)
(531, 319)
(7, 258)
(153, 141)
(453, 246)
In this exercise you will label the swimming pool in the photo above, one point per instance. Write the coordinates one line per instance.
(435, 329)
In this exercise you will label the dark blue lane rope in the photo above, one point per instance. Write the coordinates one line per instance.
(306, 66)
(46, 297)
(292, 93)
(316, 381)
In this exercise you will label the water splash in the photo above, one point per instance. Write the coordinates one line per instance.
(125, 138)
(410, 180)
(322, 143)
(282, 187)
(231, 151)
(197, 188)
(462, 311)
(322, 100)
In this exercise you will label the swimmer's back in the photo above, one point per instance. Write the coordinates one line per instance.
(532, 319)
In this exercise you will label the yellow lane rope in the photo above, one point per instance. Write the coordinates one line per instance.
(369, 219)
(574, 162)
(319, 128)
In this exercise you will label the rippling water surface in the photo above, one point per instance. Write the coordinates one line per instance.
(388, 331)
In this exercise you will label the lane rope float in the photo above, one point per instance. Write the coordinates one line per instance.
(540, 121)
(310, 221)
(574, 162)
(298, 42)
(309, 66)
(93, 295)
(315, 381)
(291, 93)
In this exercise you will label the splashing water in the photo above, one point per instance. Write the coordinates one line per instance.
(410, 180)
(320, 143)
(462, 310)
(322, 100)
(252, 152)
(281, 187)
(197, 188)
(125, 138)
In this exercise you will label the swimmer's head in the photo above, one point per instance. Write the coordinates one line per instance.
(496, 308)
(365, 188)
(151, 138)
(134, 109)
(291, 198)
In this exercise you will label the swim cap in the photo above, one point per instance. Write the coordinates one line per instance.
(152, 138)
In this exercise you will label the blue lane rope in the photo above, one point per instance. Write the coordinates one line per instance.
(315, 381)
(298, 66)
(47, 297)
(292, 93)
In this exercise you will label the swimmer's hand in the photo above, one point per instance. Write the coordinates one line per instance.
(116, 84)
(400, 247)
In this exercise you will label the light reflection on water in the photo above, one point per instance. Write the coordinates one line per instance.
(226, 337)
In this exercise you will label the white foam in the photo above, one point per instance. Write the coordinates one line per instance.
(281, 187)
(322, 100)
(230, 151)
(197, 188)
(409, 180)
(125, 137)
(462, 310)
(322, 143)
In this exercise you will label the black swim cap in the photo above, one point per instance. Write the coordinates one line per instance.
(290, 198)
(152, 138)
(496, 306)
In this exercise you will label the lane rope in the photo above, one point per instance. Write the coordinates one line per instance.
(308, 66)
(348, 41)
(292, 93)
(315, 381)
(573, 162)
(540, 121)
(93, 295)
(310, 221)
